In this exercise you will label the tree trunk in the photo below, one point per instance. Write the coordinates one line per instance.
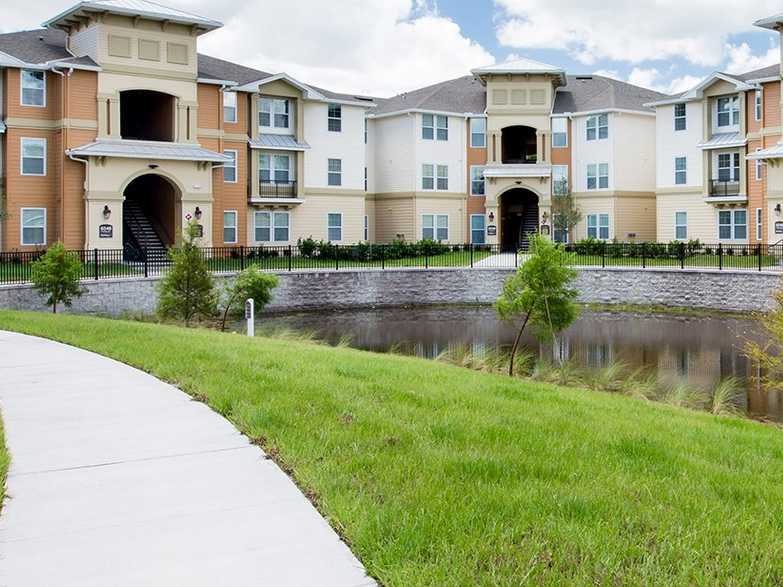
(516, 346)
(229, 303)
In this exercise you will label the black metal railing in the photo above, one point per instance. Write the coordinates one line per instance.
(16, 267)
(277, 189)
(720, 188)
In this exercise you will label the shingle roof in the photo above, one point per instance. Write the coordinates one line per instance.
(585, 93)
(461, 95)
(764, 72)
(36, 46)
(220, 69)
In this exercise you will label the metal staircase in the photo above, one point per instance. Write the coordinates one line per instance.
(141, 232)
(529, 225)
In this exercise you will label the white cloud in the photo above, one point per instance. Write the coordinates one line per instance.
(634, 32)
(646, 78)
(683, 84)
(742, 59)
(378, 47)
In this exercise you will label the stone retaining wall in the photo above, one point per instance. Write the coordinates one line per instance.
(310, 290)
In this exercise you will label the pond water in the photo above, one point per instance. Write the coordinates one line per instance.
(698, 351)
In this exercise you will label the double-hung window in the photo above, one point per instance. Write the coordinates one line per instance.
(334, 227)
(33, 226)
(732, 224)
(728, 111)
(230, 167)
(478, 229)
(598, 127)
(559, 133)
(680, 117)
(275, 168)
(33, 156)
(230, 226)
(681, 226)
(434, 177)
(271, 227)
(477, 187)
(435, 227)
(560, 180)
(680, 170)
(560, 228)
(434, 126)
(229, 106)
(443, 177)
(33, 88)
(335, 118)
(335, 174)
(758, 104)
(598, 226)
(427, 177)
(478, 133)
(366, 228)
(598, 176)
(275, 113)
(759, 224)
(728, 167)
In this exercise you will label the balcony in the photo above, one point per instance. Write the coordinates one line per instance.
(277, 189)
(726, 192)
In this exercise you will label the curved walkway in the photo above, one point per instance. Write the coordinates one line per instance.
(120, 479)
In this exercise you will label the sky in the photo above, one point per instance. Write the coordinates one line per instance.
(385, 47)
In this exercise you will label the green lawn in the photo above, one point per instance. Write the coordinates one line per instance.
(442, 476)
(700, 261)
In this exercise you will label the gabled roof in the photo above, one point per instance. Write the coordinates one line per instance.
(220, 69)
(771, 22)
(771, 71)
(462, 95)
(697, 93)
(589, 93)
(143, 8)
(35, 46)
(520, 66)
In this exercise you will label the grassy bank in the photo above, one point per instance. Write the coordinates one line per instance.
(438, 475)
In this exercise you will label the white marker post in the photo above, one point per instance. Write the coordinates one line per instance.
(250, 316)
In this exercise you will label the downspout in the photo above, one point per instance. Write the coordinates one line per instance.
(86, 203)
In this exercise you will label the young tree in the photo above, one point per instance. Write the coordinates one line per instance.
(250, 283)
(56, 274)
(187, 291)
(769, 355)
(539, 294)
(565, 213)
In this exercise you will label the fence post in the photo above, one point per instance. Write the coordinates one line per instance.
(95, 260)
(383, 257)
(336, 257)
(146, 262)
(516, 257)
(290, 257)
(242, 257)
(720, 256)
(603, 254)
(471, 255)
(682, 255)
(644, 255)
(426, 257)
(759, 254)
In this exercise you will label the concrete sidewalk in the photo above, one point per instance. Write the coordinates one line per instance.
(119, 479)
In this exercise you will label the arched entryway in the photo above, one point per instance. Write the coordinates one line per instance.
(518, 218)
(149, 213)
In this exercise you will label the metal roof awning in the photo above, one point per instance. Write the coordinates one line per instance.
(518, 170)
(278, 143)
(2, 126)
(148, 150)
(773, 152)
(724, 141)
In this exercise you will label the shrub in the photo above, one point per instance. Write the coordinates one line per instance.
(250, 283)
(56, 275)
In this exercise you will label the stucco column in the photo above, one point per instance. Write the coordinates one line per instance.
(103, 116)
(182, 122)
(255, 170)
(114, 117)
(254, 116)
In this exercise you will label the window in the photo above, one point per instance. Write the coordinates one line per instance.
(435, 227)
(33, 88)
(229, 106)
(335, 118)
(560, 229)
(33, 156)
(366, 228)
(433, 126)
(443, 177)
(365, 130)
(365, 179)
(732, 224)
(442, 124)
(477, 180)
(275, 113)
(560, 180)
(598, 176)
(759, 165)
(477, 229)
(759, 224)
(758, 105)
(680, 117)
(271, 226)
(275, 168)
(559, 133)
(603, 176)
(230, 167)
(592, 177)
(427, 177)
(681, 226)
(598, 127)
(230, 226)
(728, 111)
(335, 172)
(334, 228)
(478, 133)
(680, 170)
(33, 226)
(728, 167)
(598, 226)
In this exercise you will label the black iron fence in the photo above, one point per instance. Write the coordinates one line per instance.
(16, 267)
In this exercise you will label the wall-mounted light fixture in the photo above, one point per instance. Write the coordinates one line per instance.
(153, 165)
(778, 209)
(198, 213)
(106, 212)
(492, 217)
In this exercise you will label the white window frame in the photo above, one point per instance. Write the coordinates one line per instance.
(474, 170)
(435, 226)
(734, 166)
(272, 214)
(235, 228)
(482, 133)
(733, 225)
(759, 168)
(230, 97)
(598, 124)
(39, 140)
(592, 172)
(681, 172)
(332, 174)
(273, 169)
(759, 224)
(233, 165)
(678, 225)
(441, 130)
(483, 230)
(441, 177)
(732, 111)
(427, 124)
(758, 105)
(334, 118)
(330, 227)
(273, 114)
(560, 133)
(427, 173)
(559, 173)
(21, 226)
(683, 117)
(603, 185)
(22, 88)
(598, 225)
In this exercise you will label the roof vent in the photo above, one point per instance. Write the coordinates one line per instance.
(583, 78)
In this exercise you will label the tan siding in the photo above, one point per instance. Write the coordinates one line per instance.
(772, 104)
(209, 106)
(395, 217)
(83, 95)
(475, 204)
(53, 108)
(231, 196)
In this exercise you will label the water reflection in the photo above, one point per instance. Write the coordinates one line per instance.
(698, 351)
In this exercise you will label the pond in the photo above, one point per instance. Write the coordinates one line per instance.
(697, 351)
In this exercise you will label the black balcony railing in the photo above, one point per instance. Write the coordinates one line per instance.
(277, 189)
(724, 188)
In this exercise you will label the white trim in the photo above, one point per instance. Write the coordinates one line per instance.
(216, 82)
(581, 113)
(330, 118)
(484, 240)
(329, 172)
(21, 88)
(759, 224)
(470, 179)
(235, 167)
(435, 216)
(598, 225)
(271, 214)
(21, 156)
(732, 226)
(758, 105)
(697, 92)
(678, 225)
(330, 227)
(224, 93)
(471, 133)
(21, 227)
(565, 132)
(235, 227)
